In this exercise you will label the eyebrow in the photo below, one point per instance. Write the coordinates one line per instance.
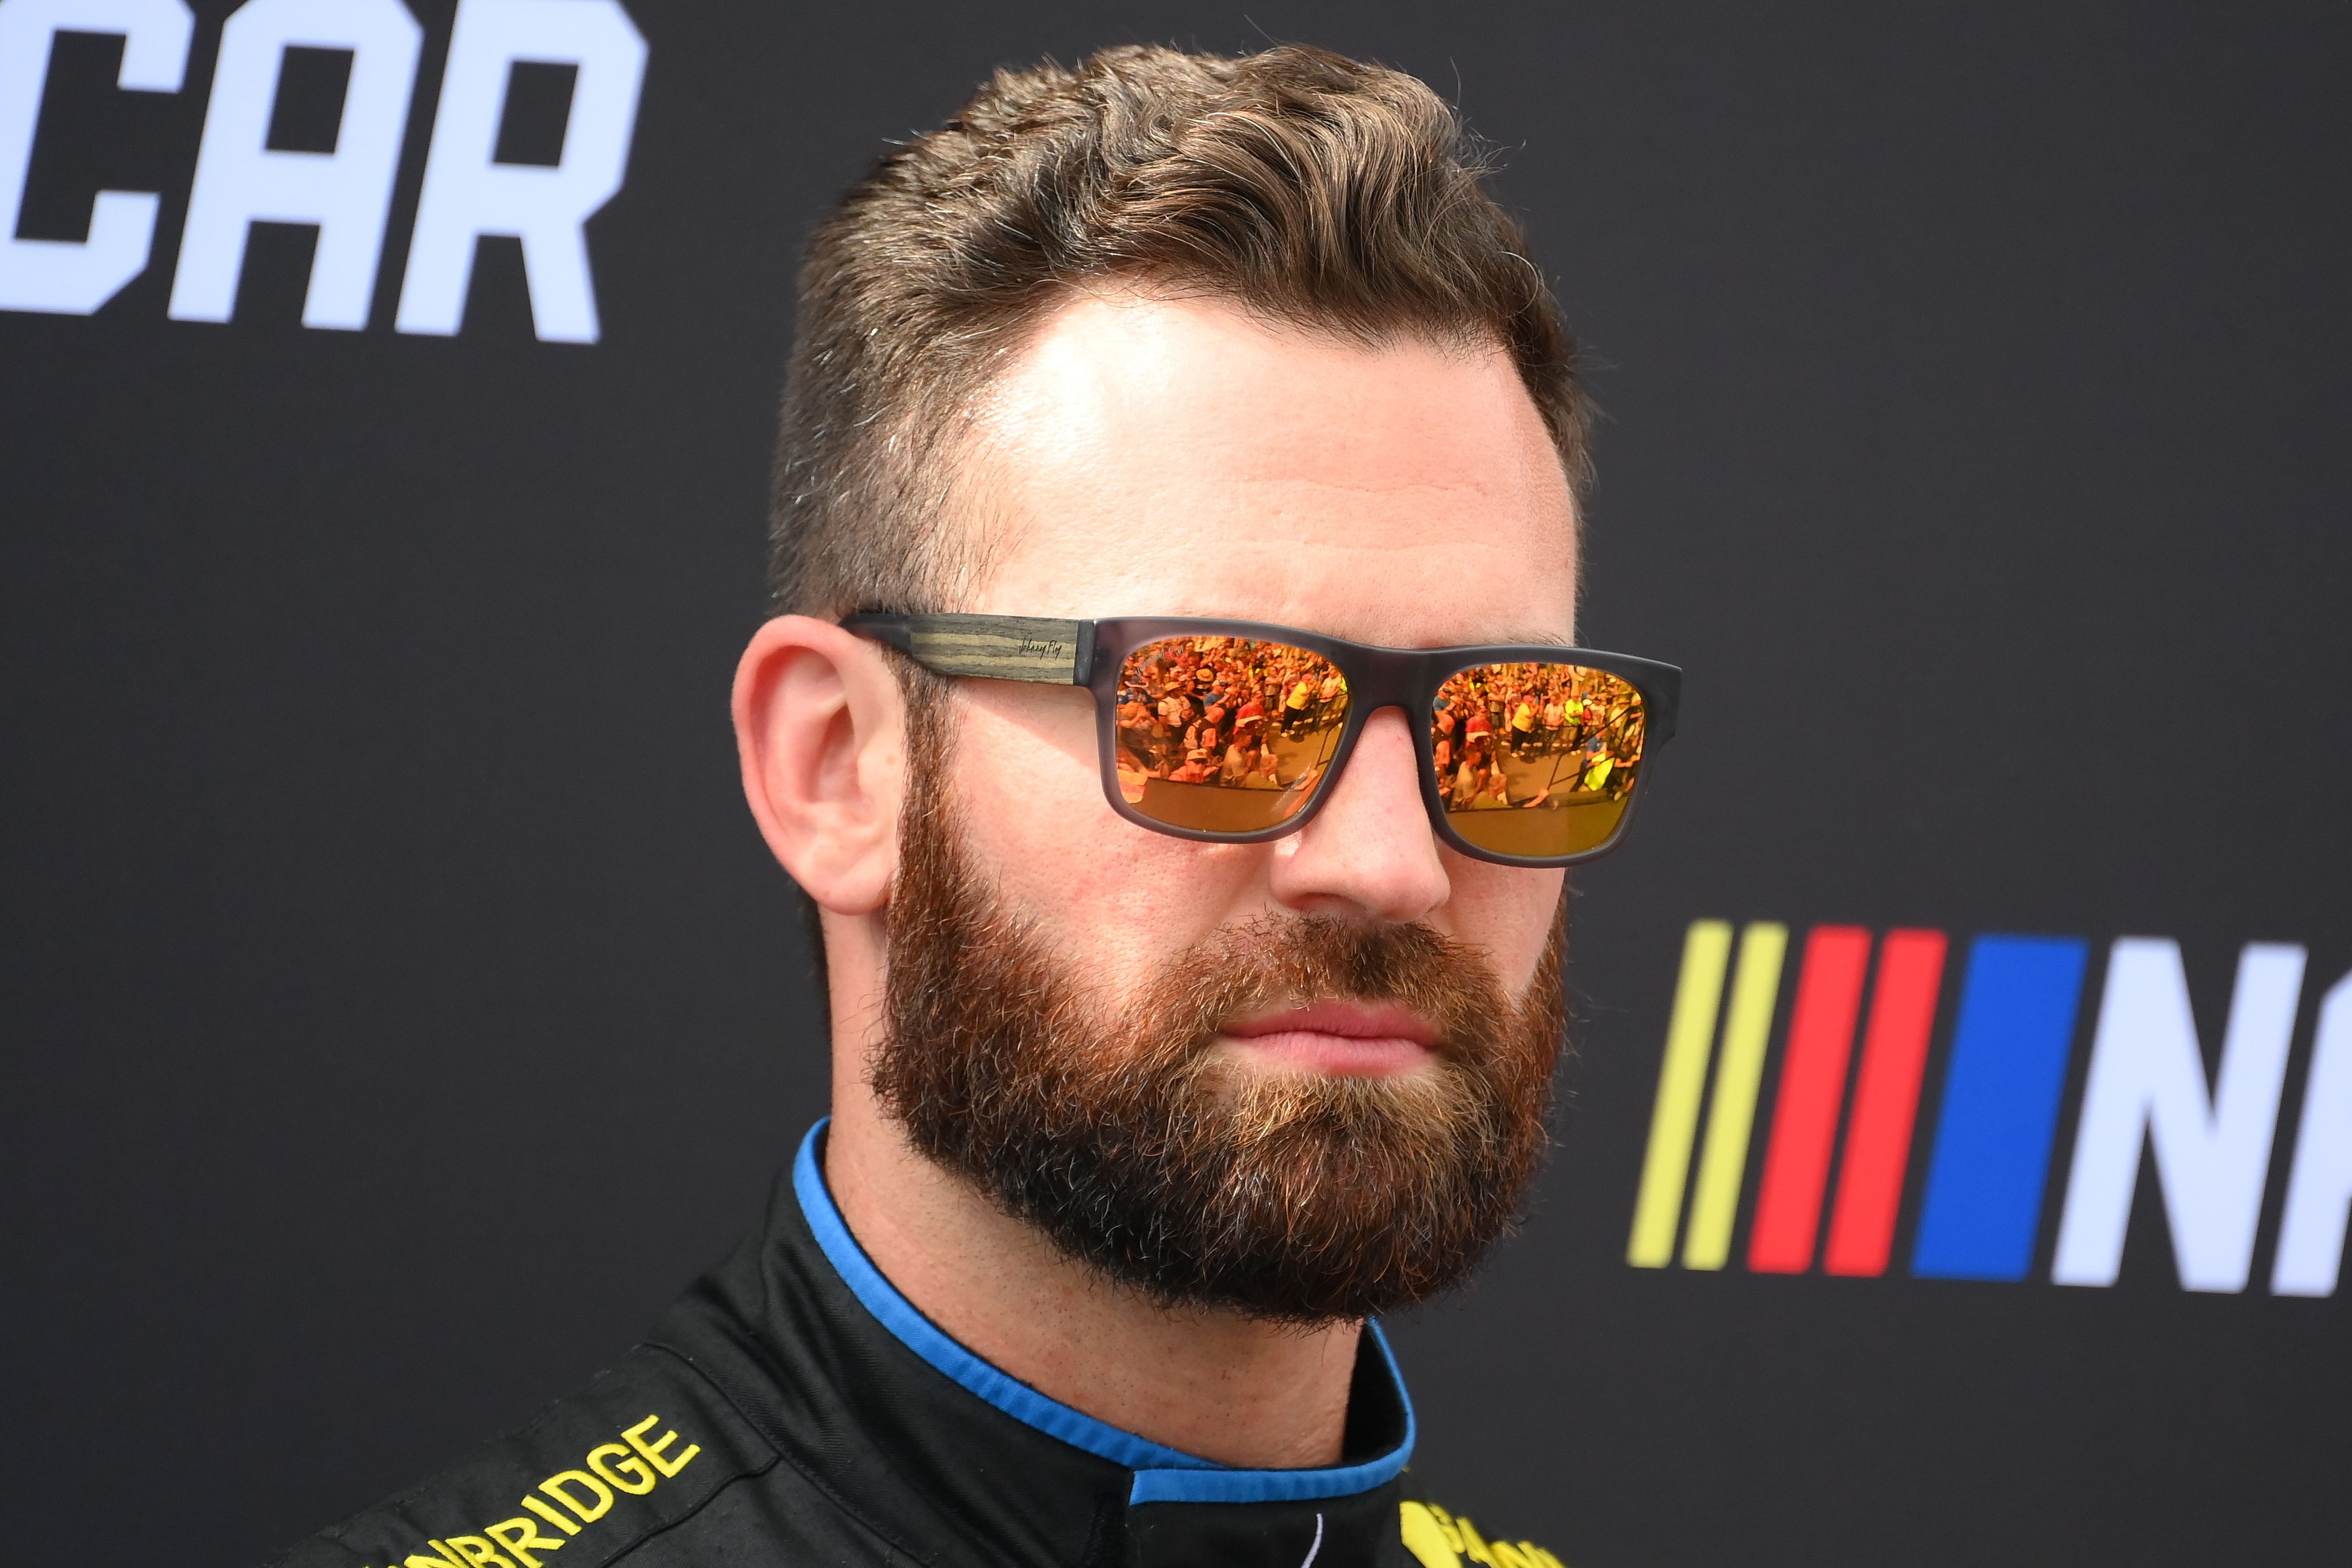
(1546, 638)
(1524, 640)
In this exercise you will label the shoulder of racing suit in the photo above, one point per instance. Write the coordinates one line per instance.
(646, 1446)
(791, 1408)
(1435, 1538)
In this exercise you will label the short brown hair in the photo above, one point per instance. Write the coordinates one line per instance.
(1312, 189)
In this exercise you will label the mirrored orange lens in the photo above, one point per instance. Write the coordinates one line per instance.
(1227, 735)
(1537, 760)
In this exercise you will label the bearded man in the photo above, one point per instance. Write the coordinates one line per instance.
(1149, 1093)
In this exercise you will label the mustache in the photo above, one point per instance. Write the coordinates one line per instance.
(957, 926)
(1277, 961)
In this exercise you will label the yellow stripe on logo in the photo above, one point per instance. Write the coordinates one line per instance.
(1674, 1120)
(1714, 1202)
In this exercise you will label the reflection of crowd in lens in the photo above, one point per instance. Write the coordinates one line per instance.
(1255, 715)
(1535, 734)
(1227, 710)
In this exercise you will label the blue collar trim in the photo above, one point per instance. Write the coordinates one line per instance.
(1161, 1474)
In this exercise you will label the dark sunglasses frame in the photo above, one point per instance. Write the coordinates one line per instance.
(1093, 653)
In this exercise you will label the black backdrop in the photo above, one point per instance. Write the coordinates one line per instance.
(399, 1005)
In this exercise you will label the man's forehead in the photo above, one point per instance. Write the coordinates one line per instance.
(1181, 458)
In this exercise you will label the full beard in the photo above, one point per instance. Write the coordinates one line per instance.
(1114, 1125)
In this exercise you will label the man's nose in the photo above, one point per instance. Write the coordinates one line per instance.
(1370, 852)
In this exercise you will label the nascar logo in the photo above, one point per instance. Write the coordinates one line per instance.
(1989, 1159)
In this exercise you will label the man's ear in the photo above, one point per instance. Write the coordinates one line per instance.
(821, 728)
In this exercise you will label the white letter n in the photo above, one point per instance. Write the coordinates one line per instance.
(2319, 1193)
(2212, 1157)
(468, 193)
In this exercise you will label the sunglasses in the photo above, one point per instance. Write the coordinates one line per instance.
(1233, 731)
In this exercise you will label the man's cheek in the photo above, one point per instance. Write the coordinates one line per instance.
(1507, 911)
(1040, 841)
(1116, 899)
(1021, 799)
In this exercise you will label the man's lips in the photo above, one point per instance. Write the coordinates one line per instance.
(1363, 1039)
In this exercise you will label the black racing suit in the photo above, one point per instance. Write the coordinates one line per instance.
(794, 1408)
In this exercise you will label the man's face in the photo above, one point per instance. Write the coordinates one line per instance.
(1176, 458)
(1307, 1077)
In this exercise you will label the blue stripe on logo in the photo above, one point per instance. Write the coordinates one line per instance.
(2010, 1050)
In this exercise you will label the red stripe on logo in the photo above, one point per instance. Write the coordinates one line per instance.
(1885, 1100)
(1812, 1086)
